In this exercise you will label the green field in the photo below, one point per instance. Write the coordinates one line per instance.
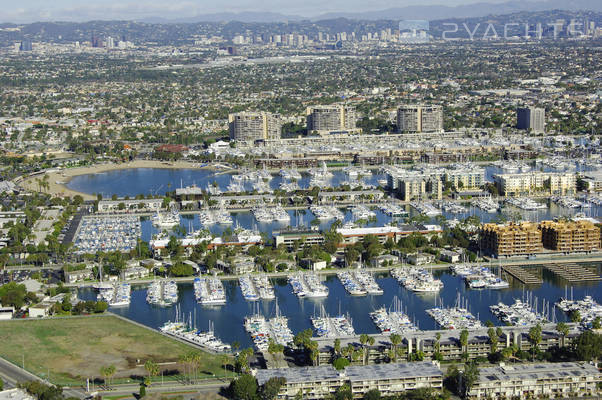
(75, 348)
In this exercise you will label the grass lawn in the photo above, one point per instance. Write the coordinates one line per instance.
(75, 348)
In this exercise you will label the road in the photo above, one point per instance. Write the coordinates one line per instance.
(12, 375)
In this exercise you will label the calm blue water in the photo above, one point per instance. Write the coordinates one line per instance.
(228, 319)
(134, 181)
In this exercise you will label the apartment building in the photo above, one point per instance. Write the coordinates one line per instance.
(332, 118)
(252, 126)
(570, 236)
(419, 118)
(524, 184)
(450, 348)
(511, 239)
(414, 188)
(537, 380)
(322, 381)
(466, 178)
(531, 119)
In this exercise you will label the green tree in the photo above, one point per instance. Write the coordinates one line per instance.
(493, 340)
(470, 376)
(152, 369)
(563, 330)
(271, 387)
(340, 363)
(372, 394)
(464, 340)
(244, 387)
(343, 393)
(535, 336)
(575, 316)
(588, 346)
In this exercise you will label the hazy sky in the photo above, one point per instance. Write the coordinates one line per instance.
(84, 10)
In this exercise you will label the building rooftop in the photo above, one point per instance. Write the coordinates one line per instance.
(537, 371)
(298, 375)
(392, 371)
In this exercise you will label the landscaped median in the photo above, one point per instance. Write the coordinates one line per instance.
(74, 349)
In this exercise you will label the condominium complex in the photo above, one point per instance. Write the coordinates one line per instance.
(570, 236)
(321, 382)
(537, 380)
(413, 188)
(511, 239)
(331, 118)
(466, 178)
(447, 343)
(418, 118)
(252, 126)
(531, 118)
(524, 184)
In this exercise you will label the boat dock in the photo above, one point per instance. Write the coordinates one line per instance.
(522, 275)
(573, 272)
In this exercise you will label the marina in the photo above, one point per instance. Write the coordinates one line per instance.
(486, 204)
(270, 214)
(107, 233)
(229, 317)
(256, 287)
(588, 308)
(332, 327)
(522, 275)
(417, 279)
(115, 295)
(573, 272)
(307, 285)
(427, 209)
(359, 283)
(162, 293)
(525, 203)
(393, 320)
(166, 220)
(479, 277)
(521, 312)
(186, 331)
(209, 291)
(263, 330)
(456, 317)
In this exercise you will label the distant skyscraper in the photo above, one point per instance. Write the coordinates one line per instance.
(26, 46)
(331, 118)
(252, 126)
(419, 118)
(531, 118)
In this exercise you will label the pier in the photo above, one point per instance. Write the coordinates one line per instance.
(573, 272)
(522, 275)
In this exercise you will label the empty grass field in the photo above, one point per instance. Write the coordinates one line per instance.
(76, 348)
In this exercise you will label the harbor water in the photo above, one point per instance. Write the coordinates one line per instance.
(228, 319)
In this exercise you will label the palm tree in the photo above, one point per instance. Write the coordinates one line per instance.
(363, 341)
(563, 330)
(395, 341)
(337, 346)
(493, 339)
(152, 369)
(464, 342)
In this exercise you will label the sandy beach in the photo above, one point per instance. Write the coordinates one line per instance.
(58, 179)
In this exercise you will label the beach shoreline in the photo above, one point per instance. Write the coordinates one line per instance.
(58, 179)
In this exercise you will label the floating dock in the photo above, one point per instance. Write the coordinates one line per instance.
(522, 275)
(573, 272)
